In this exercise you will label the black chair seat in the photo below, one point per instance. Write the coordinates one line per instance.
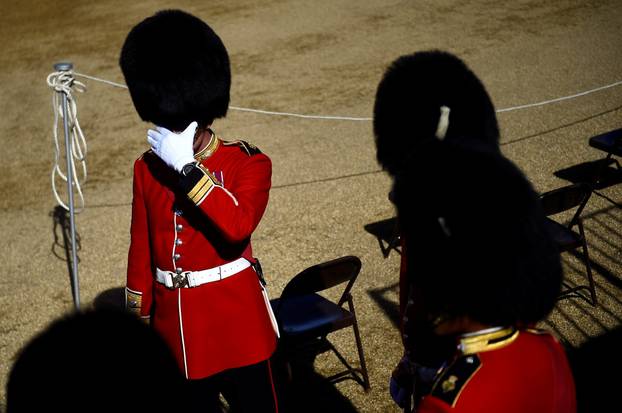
(306, 318)
(311, 315)
(610, 142)
(565, 238)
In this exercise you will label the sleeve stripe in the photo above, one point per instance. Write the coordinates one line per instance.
(202, 192)
(198, 186)
(205, 196)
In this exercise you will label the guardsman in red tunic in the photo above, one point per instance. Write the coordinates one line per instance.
(487, 269)
(196, 201)
(424, 96)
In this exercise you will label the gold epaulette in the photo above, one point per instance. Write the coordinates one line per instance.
(247, 148)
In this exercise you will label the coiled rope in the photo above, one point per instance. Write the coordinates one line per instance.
(63, 82)
(351, 118)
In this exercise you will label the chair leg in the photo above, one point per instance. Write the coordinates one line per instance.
(588, 267)
(359, 346)
(603, 167)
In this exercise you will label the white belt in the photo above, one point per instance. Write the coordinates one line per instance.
(190, 279)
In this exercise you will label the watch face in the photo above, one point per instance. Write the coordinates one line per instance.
(187, 169)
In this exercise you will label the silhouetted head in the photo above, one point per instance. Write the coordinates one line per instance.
(476, 237)
(177, 70)
(95, 361)
(408, 105)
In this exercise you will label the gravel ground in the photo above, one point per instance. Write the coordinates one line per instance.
(320, 57)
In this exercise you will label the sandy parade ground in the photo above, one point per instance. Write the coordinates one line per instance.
(317, 58)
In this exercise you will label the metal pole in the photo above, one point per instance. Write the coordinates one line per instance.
(63, 67)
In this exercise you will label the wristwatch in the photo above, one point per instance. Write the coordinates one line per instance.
(187, 168)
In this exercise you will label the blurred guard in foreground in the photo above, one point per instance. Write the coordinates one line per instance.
(197, 200)
(88, 362)
(425, 96)
(487, 271)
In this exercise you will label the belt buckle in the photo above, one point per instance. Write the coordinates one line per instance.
(180, 280)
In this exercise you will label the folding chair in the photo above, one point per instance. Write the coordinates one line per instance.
(610, 143)
(305, 318)
(388, 234)
(567, 239)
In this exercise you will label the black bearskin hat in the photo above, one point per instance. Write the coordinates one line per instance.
(408, 102)
(177, 70)
(476, 237)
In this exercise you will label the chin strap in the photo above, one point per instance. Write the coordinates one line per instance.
(443, 123)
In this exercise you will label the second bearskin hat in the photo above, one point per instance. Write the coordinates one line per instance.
(408, 105)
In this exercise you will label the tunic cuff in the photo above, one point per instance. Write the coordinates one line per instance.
(133, 301)
(198, 183)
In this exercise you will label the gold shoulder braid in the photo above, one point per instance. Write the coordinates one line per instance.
(209, 149)
(486, 340)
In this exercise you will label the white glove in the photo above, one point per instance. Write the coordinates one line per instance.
(175, 149)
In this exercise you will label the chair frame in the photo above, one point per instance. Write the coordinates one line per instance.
(564, 199)
(614, 150)
(387, 232)
(298, 287)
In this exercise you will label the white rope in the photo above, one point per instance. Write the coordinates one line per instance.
(263, 112)
(108, 82)
(351, 118)
(546, 102)
(64, 82)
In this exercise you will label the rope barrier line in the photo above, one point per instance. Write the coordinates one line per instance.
(240, 109)
(64, 82)
(352, 118)
(546, 102)
(298, 115)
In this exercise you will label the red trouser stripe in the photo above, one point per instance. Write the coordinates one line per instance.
(276, 403)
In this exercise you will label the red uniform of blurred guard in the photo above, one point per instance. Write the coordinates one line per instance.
(504, 371)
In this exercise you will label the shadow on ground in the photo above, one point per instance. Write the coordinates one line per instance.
(306, 390)
(61, 246)
(111, 299)
(390, 307)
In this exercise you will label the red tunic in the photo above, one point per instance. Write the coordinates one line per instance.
(218, 325)
(525, 371)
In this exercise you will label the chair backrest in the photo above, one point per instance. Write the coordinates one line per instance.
(565, 198)
(324, 276)
(610, 142)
